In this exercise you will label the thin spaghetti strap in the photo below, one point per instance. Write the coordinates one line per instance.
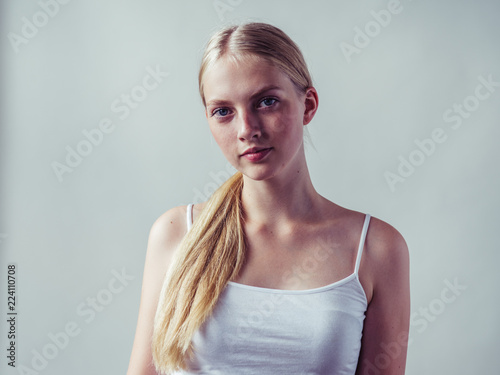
(189, 216)
(362, 243)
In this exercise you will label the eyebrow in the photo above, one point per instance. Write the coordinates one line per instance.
(253, 96)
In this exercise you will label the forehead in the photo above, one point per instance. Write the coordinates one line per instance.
(229, 78)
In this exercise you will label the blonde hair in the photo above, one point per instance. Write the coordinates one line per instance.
(213, 251)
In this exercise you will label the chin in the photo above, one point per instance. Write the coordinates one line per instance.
(258, 175)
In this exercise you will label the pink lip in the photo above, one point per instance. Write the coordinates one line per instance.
(254, 149)
(257, 156)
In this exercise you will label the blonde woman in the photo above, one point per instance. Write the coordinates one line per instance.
(268, 276)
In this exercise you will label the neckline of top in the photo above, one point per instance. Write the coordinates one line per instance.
(340, 282)
(296, 291)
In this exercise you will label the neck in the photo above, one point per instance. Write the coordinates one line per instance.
(282, 202)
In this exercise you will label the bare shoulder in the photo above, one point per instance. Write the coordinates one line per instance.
(384, 272)
(385, 246)
(383, 242)
(385, 261)
(170, 228)
(164, 237)
(385, 257)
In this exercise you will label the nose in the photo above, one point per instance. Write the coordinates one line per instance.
(249, 126)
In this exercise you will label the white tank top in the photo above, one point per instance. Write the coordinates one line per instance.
(262, 331)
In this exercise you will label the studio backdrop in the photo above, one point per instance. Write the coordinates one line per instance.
(103, 130)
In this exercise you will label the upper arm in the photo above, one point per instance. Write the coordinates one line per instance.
(164, 237)
(385, 332)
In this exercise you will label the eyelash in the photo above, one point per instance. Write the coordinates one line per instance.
(217, 110)
(269, 98)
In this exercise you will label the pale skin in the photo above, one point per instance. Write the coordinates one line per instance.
(253, 104)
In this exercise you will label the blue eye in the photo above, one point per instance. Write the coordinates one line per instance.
(267, 102)
(221, 112)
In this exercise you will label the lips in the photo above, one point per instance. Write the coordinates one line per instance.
(254, 150)
(257, 156)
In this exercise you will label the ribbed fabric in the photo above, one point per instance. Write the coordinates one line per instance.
(264, 331)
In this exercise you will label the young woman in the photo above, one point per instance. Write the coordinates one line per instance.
(268, 276)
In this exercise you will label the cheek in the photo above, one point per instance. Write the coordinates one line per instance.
(224, 139)
(288, 124)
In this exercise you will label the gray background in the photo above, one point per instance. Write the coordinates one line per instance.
(68, 237)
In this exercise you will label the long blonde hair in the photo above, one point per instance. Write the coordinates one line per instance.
(213, 251)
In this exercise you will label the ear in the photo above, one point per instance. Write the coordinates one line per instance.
(311, 105)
